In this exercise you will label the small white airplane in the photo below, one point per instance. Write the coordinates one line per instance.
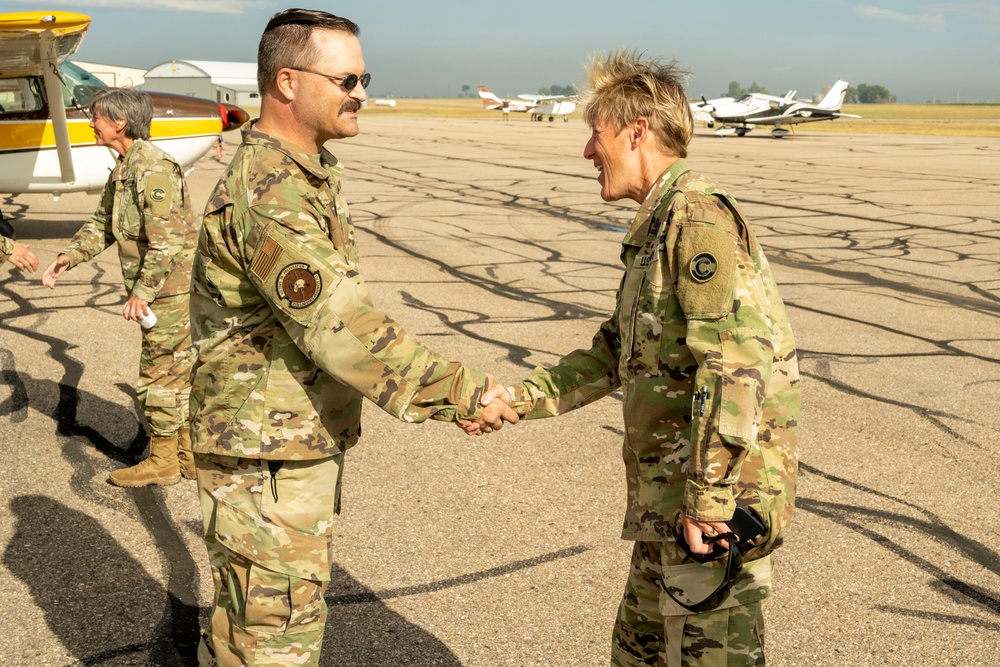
(744, 114)
(46, 143)
(539, 106)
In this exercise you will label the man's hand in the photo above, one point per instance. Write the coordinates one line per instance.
(23, 258)
(496, 402)
(55, 271)
(696, 531)
(135, 309)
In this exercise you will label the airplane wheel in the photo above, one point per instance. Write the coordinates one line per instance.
(741, 133)
(551, 118)
(565, 119)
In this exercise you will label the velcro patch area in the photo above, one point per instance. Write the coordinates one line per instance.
(159, 194)
(706, 262)
(288, 276)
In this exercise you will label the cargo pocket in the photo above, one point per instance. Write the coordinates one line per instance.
(162, 411)
(283, 575)
(693, 582)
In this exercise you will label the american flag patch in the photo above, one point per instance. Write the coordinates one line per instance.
(266, 258)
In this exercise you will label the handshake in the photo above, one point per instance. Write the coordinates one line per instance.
(496, 403)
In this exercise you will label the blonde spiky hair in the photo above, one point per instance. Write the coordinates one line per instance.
(624, 85)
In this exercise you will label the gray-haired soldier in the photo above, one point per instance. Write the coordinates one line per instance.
(146, 211)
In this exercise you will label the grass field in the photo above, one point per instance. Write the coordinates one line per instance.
(956, 120)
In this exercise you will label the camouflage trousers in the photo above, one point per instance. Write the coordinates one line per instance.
(268, 529)
(651, 629)
(164, 386)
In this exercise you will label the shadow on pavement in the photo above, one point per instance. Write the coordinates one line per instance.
(369, 634)
(97, 599)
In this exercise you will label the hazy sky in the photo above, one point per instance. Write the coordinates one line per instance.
(919, 50)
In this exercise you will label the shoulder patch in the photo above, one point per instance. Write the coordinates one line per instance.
(707, 261)
(288, 276)
(266, 259)
(159, 192)
(299, 285)
(704, 267)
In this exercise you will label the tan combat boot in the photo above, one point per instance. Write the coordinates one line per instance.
(160, 468)
(184, 455)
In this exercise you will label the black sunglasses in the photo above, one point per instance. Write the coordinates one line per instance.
(349, 82)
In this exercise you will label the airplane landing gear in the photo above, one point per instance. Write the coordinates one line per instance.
(741, 132)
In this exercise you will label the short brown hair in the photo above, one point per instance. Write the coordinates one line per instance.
(134, 106)
(286, 42)
(624, 85)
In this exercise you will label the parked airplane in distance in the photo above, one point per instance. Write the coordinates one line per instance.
(46, 143)
(539, 106)
(753, 109)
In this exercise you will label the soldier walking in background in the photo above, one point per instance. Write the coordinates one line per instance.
(700, 345)
(146, 210)
(289, 344)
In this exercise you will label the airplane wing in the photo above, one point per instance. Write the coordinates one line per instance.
(22, 39)
(541, 98)
(33, 43)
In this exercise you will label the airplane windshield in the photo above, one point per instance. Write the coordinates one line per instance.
(20, 95)
(80, 86)
(746, 99)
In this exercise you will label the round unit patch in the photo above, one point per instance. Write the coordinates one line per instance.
(703, 267)
(158, 194)
(299, 285)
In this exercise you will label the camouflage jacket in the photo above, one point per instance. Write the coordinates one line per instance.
(145, 207)
(701, 347)
(288, 339)
(6, 248)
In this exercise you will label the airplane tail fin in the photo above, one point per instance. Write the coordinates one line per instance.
(835, 98)
(490, 101)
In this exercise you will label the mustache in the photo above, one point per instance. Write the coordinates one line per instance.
(349, 106)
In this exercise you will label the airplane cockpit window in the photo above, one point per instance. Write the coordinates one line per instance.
(80, 86)
(20, 95)
(746, 100)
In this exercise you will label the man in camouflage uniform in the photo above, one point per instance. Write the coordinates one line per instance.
(19, 254)
(701, 347)
(146, 210)
(289, 344)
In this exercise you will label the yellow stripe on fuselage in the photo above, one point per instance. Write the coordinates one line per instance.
(26, 135)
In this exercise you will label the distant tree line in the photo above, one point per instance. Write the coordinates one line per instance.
(871, 94)
(558, 90)
(737, 91)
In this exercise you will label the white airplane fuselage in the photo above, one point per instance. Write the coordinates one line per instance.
(38, 169)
